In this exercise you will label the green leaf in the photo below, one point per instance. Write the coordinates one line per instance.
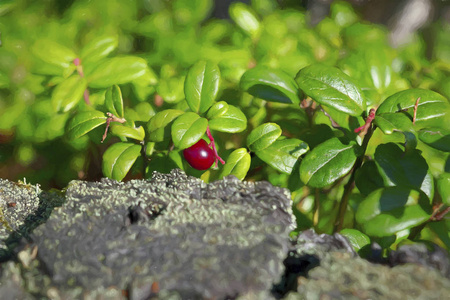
(283, 154)
(357, 239)
(84, 122)
(404, 169)
(201, 86)
(68, 93)
(119, 158)
(114, 101)
(232, 121)
(245, 18)
(157, 126)
(137, 133)
(117, 70)
(171, 89)
(188, 129)
(331, 87)
(217, 110)
(387, 211)
(328, 162)
(263, 136)
(438, 138)
(433, 109)
(390, 123)
(443, 185)
(269, 84)
(53, 53)
(189, 12)
(238, 164)
(99, 48)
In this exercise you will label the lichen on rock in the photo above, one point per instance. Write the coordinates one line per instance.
(220, 240)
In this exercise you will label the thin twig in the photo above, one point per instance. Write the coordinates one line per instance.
(415, 110)
(111, 118)
(366, 126)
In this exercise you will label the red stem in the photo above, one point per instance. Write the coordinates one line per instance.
(213, 146)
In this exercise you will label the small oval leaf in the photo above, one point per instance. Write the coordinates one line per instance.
(443, 185)
(263, 136)
(283, 154)
(232, 121)
(438, 138)
(119, 158)
(157, 126)
(137, 133)
(269, 84)
(357, 239)
(217, 110)
(98, 48)
(433, 109)
(68, 93)
(331, 87)
(387, 211)
(188, 129)
(245, 18)
(238, 164)
(84, 122)
(328, 162)
(114, 101)
(53, 53)
(201, 86)
(117, 70)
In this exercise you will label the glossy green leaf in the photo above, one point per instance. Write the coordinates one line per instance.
(117, 70)
(99, 48)
(201, 86)
(114, 101)
(137, 133)
(157, 126)
(387, 211)
(232, 121)
(433, 109)
(443, 185)
(328, 162)
(245, 18)
(84, 122)
(438, 138)
(238, 164)
(119, 158)
(270, 84)
(188, 129)
(217, 110)
(390, 123)
(263, 136)
(406, 169)
(357, 239)
(283, 154)
(331, 87)
(171, 89)
(68, 93)
(53, 53)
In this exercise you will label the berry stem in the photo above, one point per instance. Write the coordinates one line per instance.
(369, 120)
(213, 146)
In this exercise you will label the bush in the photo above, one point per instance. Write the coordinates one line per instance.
(357, 130)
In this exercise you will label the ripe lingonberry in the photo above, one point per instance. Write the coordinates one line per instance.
(199, 155)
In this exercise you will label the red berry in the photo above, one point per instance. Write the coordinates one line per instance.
(199, 155)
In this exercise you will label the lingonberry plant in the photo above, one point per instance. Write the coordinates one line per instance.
(358, 131)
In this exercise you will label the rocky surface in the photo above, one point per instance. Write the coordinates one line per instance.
(175, 237)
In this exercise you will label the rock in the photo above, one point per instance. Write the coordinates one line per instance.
(22, 208)
(174, 232)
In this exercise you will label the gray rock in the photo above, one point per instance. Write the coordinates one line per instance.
(225, 239)
(22, 208)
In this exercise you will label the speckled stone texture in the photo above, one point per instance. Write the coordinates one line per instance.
(172, 233)
(22, 208)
